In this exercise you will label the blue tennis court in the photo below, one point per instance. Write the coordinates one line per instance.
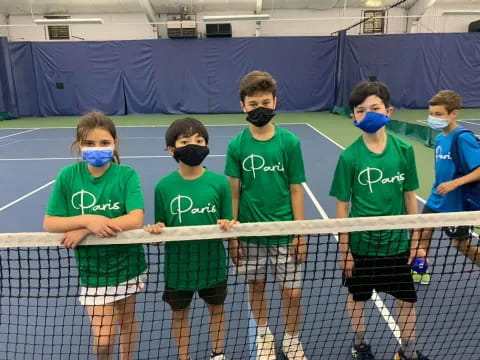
(50, 320)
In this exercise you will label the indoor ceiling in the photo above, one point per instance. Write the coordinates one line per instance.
(41, 7)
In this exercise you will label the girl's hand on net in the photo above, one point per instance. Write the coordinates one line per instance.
(101, 225)
(72, 238)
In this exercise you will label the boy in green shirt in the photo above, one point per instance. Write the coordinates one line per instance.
(190, 196)
(377, 175)
(265, 168)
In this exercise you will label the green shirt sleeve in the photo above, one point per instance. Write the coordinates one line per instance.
(226, 211)
(133, 193)
(57, 203)
(296, 169)
(342, 180)
(411, 177)
(160, 215)
(232, 163)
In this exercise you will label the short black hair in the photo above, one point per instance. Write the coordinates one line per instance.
(185, 127)
(365, 89)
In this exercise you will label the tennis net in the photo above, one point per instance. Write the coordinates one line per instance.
(41, 316)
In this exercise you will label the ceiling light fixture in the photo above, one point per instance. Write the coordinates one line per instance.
(68, 21)
(253, 17)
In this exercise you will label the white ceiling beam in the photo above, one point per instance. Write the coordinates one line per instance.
(259, 6)
(149, 11)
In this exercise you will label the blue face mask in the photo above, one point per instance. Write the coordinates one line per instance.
(437, 123)
(97, 156)
(372, 122)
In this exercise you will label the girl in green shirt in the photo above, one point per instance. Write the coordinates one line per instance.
(99, 196)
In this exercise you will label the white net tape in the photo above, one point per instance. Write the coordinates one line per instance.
(327, 226)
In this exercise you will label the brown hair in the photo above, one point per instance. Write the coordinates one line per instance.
(95, 120)
(448, 98)
(257, 81)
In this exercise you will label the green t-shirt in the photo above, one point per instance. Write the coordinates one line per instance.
(115, 193)
(193, 265)
(266, 170)
(374, 184)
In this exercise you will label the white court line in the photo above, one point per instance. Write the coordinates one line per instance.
(387, 316)
(11, 143)
(21, 132)
(121, 157)
(469, 122)
(26, 195)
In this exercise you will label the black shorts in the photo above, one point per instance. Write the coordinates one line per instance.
(459, 233)
(181, 299)
(389, 274)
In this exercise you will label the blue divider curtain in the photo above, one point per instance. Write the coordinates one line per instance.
(416, 66)
(169, 76)
(8, 101)
(202, 75)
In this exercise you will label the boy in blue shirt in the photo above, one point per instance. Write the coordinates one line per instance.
(446, 194)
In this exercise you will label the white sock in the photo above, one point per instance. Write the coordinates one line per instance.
(263, 330)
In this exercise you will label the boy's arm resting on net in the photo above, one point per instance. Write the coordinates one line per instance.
(234, 249)
(418, 245)
(299, 246)
(346, 258)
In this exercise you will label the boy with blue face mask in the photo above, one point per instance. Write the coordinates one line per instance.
(377, 175)
(446, 194)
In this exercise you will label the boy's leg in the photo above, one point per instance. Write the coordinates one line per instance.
(214, 297)
(258, 301)
(254, 268)
(288, 275)
(360, 289)
(407, 319)
(181, 332)
(291, 306)
(125, 309)
(180, 301)
(217, 327)
(357, 318)
(398, 282)
(462, 242)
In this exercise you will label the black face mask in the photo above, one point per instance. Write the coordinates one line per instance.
(191, 154)
(260, 116)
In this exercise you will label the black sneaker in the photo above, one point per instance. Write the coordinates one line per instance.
(362, 352)
(399, 355)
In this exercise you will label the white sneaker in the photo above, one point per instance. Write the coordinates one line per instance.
(218, 357)
(293, 349)
(265, 346)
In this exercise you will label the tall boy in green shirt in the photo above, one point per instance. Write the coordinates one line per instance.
(265, 168)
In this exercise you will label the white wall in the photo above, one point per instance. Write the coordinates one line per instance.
(115, 27)
(432, 20)
(134, 26)
(322, 22)
(3, 21)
